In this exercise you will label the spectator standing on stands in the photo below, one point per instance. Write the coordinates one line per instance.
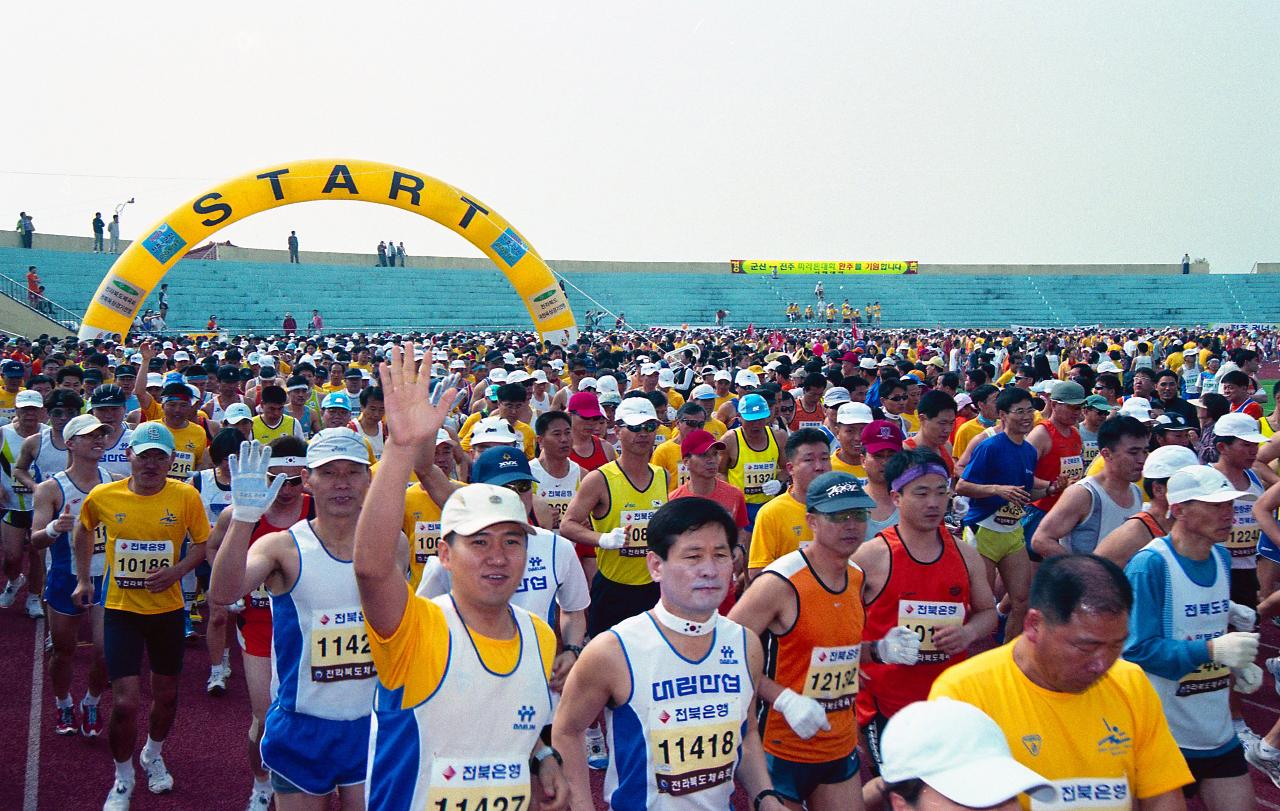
(113, 231)
(382, 254)
(212, 326)
(26, 228)
(33, 285)
(293, 248)
(400, 253)
(1186, 264)
(164, 301)
(98, 226)
(290, 325)
(317, 323)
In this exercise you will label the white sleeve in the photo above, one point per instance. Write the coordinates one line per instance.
(435, 579)
(573, 594)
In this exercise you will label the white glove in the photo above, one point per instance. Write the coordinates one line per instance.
(900, 646)
(771, 488)
(1242, 617)
(804, 715)
(613, 539)
(1235, 650)
(1248, 678)
(251, 494)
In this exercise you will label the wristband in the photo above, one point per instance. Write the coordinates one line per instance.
(49, 530)
(537, 758)
(576, 650)
(767, 793)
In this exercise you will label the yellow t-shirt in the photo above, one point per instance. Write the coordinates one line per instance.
(857, 471)
(416, 655)
(529, 438)
(667, 456)
(780, 528)
(422, 528)
(1112, 738)
(1098, 463)
(964, 435)
(189, 444)
(1003, 380)
(8, 403)
(675, 398)
(714, 427)
(721, 401)
(144, 535)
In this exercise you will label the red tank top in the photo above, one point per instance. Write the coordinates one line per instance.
(257, 604)
(921, 596)
(595, 460)
(806, 419)
(1149, 521)
(1064, 456)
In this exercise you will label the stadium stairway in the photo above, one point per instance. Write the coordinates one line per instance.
(255, 296)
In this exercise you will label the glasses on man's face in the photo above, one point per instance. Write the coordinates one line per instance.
(645, 428)
(60, 413)
(693, 423)
(1022, 412)
(520, 486)
(897, 398)
(859, 514)
(293, 481)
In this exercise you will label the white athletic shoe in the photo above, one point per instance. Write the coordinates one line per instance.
(10, 592)
(217, 684)
(597, 753)
(1272, 666)
(1269, 767)
(35, 609)
(1248, 738)
(259, 800)
(159, 780)
(118, 799)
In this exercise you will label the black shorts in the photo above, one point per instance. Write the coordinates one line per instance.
(1228, 764)
(613, 602)
(1244, 587)
(126, 633)
(19, 518)
(869, 733)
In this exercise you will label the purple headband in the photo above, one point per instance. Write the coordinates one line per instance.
(913, 473)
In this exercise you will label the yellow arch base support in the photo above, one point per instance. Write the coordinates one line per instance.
(141, 267)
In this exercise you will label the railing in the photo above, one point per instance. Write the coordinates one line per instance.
(39, 304)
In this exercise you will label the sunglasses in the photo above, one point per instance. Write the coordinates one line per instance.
(859, 514)
(293, 481)
(59, 413)
(645, 428)
(520, 486)
(693, 423)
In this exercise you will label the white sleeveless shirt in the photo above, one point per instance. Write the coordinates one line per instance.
(62, 552)
(116, 458)
(678, 737)
(467, 745)
(49, 459)
(215, 498)
(322, 663)
(556, 491)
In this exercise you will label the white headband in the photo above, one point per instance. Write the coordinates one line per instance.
(287, 461)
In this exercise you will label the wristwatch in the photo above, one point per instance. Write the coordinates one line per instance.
(767, 793)
(576, 650)
(535, 760)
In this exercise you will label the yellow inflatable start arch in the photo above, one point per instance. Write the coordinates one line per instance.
(141, 267)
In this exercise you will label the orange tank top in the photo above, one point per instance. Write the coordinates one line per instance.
(1065, 457)
(817, 657)
(806, 419)
(922, 596)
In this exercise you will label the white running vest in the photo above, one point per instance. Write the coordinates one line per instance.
(539, 584)
(557, 492)
(62, 552)
(214, 497)
(678, 738)
(49, 459)
(1196, 705)
(323, 666)
(1242, 543)
(116, 458)
(467, 746)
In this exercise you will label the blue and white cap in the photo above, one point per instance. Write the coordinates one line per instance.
(336, 399)
(151, 435)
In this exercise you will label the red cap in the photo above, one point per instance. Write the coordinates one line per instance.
(585, 404)
(698, 442)
(882, 435)
(849, 357)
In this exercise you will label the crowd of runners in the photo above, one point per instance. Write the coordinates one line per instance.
(978, 568)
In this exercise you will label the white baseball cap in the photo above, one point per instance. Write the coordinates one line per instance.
(702, 392)
(492, 431)
(963, 399)
(747, 379)
(1108, 366)
(443, 436)
(1238, 425)
(540, 376)
(519, 376)
(82, 424)
(498, 376)
(1167, 460)
(867, 362)
(959, 752)
(722, 374)
(336, 444)
(457, 364)
(636, 411)
(666, 378)
(1139, 408)
(649, 369)
(1201, 483)
(835, 396)
(605, 383)
(854, 414)
(475, 507)
(29, 398)
(154, 380)
(237, 412)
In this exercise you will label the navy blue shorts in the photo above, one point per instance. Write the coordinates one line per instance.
(796, 781)
(58, 586)
(126, 634)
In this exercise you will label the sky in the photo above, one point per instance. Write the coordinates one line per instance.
(959, 132)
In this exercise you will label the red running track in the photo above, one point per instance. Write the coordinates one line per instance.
(206, 752)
